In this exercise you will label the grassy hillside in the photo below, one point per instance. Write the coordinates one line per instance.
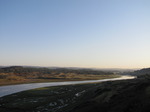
(19, 74)
(119, 96)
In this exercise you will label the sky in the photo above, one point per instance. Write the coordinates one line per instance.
(75, 33)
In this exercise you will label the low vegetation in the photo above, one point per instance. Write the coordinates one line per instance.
(18, 74)
(48, 99)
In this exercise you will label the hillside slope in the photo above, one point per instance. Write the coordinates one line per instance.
(119, 96)
(19, 74)
(141, 72)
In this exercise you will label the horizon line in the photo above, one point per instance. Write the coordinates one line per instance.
(74, 67)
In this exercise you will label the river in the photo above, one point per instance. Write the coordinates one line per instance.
(7, 90)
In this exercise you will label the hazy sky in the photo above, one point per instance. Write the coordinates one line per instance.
(75, 33)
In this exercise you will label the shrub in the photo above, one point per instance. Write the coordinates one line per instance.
(15, 78)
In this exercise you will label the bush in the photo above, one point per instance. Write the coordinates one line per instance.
(3, 76)
(15, 78)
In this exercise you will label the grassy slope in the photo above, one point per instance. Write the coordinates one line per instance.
(19, 74)
(119, 96)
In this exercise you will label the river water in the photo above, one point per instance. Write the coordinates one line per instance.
(7, 90)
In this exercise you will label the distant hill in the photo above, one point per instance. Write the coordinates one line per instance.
(143, 71)
(22, 74)
(20, 70)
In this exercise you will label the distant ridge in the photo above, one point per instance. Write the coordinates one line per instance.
(74, 68)
(24, 70)
(143, 71)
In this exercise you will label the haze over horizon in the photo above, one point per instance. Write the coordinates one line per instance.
(77, 33)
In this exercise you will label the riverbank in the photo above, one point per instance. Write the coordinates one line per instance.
(54, 99)
(6, 90)
(47, 99)
(76, 78)
(20, 74)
